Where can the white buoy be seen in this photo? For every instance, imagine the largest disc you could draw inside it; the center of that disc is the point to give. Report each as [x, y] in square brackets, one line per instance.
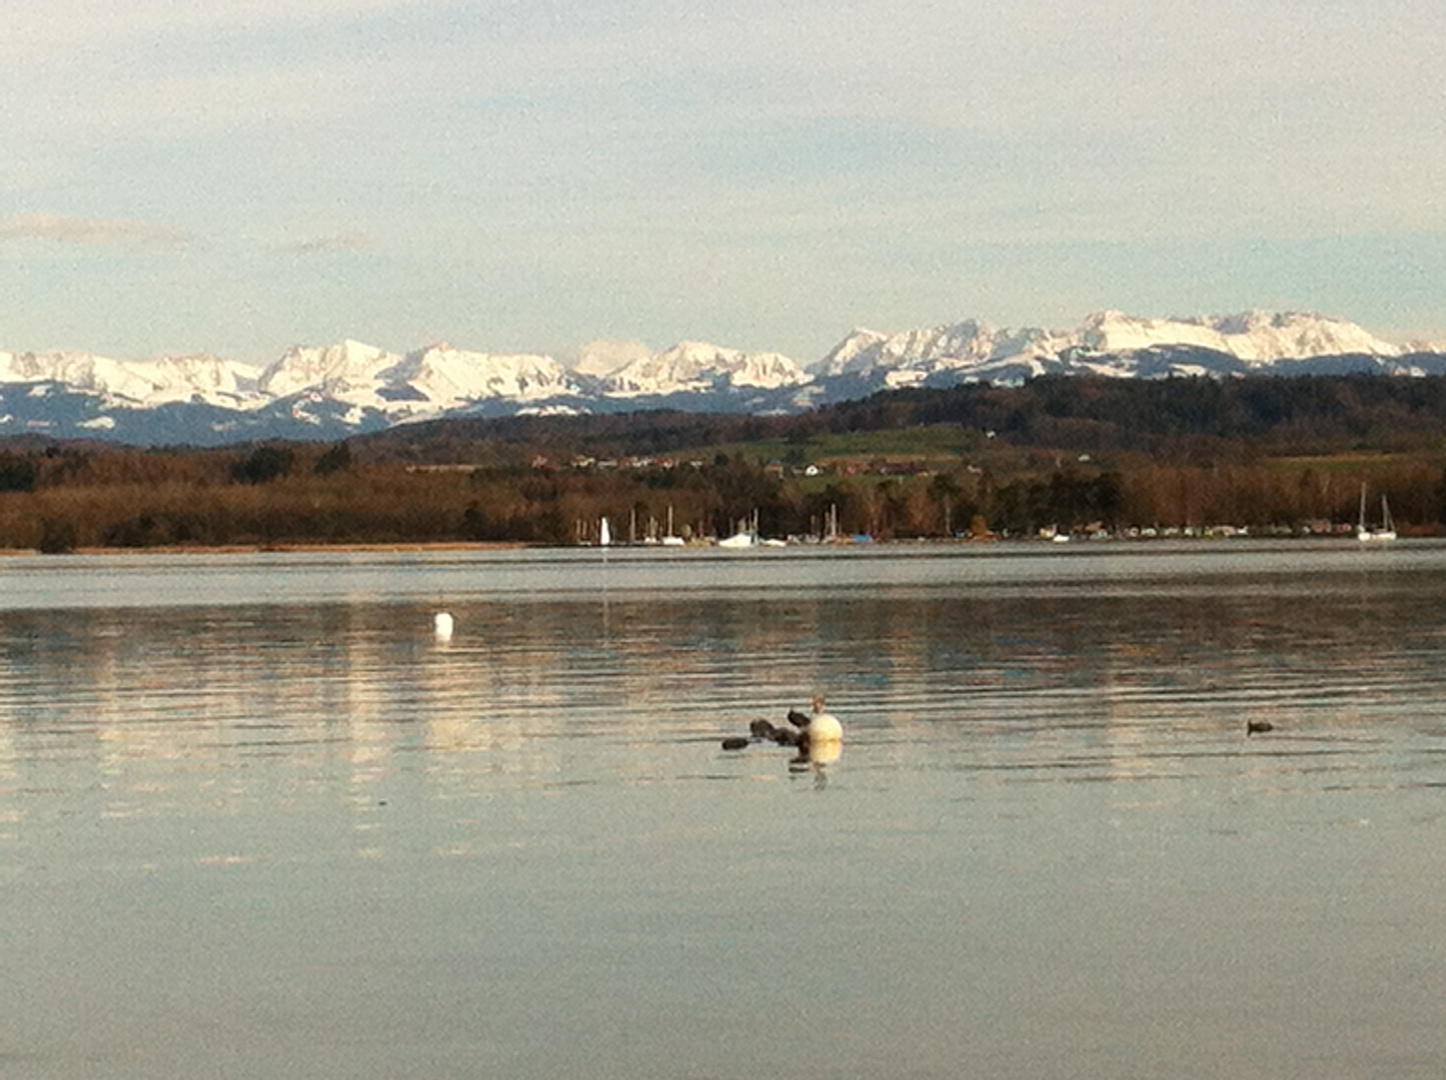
[442, 625]
[823, 727]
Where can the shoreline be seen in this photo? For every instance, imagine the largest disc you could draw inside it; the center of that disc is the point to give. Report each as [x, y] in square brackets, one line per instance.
[350, 547]
[282, 548]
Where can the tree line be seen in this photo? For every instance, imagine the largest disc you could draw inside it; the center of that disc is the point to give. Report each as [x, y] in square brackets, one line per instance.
[1069, 454]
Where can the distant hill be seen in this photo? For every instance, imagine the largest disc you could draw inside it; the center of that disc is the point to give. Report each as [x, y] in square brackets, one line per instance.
[1187, 418]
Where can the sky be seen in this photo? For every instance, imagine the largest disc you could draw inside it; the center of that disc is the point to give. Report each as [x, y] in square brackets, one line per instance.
[238, 176]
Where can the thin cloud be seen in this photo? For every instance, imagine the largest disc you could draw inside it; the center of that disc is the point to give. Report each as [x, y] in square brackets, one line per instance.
[343, 241]
[93, 232]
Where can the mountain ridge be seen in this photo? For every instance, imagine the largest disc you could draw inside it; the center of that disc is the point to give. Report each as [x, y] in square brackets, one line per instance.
[351, 387]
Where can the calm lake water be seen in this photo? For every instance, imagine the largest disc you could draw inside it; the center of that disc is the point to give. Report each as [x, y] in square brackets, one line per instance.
[257, 821]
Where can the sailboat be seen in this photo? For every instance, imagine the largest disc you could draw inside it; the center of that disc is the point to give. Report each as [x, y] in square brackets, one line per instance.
[1371, 534]
[746, 536]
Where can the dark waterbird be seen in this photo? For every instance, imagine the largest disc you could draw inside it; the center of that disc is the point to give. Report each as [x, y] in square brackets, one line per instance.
[761, 730]
[1258, 727]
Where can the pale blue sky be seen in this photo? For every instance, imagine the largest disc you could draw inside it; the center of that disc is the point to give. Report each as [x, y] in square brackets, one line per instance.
[236, 176]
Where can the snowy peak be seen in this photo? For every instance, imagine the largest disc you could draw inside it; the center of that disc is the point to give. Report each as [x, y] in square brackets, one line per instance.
[145, 382]
[1107, 342]
[913, 355]
[856, 353]
[332, 369]
[191, 378]
[698, 367]
[1253, 336]
[451, 377]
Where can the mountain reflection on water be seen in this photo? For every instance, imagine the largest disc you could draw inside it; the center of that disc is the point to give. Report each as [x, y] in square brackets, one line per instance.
[257, 819]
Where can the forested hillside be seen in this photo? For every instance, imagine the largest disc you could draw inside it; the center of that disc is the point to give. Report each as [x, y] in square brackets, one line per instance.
[1287, 454]
[1189, 418]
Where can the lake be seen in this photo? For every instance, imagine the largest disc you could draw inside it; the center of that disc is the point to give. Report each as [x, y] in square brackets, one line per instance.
[257, 820]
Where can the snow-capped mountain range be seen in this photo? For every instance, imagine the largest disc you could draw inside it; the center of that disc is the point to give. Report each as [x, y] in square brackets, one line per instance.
[347, 388]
